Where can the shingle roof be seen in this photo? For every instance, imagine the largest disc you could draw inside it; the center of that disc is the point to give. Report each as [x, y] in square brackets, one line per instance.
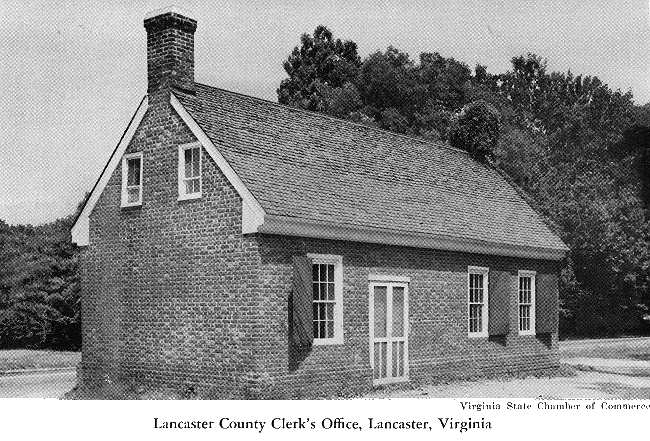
[312, 167]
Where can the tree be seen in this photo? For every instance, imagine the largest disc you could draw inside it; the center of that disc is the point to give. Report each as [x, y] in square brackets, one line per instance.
[476, 129]
[39, 286]
[319, 70]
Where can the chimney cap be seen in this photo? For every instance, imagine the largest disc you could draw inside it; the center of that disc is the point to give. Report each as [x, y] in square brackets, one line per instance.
[172, 9]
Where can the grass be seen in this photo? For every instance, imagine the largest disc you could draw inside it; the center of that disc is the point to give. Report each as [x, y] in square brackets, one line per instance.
[633, 349]
[18, 359]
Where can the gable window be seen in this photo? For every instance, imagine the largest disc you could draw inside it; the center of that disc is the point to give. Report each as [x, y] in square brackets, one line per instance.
[189, 171]
[526, 302]
[327, 290]
[477, 286]
[132, 180]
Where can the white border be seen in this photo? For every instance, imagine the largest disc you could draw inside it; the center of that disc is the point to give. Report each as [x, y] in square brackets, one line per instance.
[80, 229]
[182, 196]
[125, 172]
[486, 300]
[337, 261]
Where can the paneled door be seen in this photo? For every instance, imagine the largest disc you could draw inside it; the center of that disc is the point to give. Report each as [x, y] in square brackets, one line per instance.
[389, 332]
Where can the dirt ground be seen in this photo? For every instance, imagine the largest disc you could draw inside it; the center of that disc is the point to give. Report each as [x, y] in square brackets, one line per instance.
[602, 369]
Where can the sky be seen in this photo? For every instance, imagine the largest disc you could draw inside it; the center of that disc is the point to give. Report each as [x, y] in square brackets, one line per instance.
[73, 72]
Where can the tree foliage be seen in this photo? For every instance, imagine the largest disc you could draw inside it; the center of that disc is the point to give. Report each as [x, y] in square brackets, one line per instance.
[476, 129]
[39, 286]
[577, 147]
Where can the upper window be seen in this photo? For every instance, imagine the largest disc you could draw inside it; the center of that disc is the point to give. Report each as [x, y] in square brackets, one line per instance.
[189, 171]
[132, 180]
[327, 280]
[477, 284]
[526, 302]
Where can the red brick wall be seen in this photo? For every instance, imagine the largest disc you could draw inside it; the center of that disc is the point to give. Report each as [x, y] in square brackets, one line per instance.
[167, 287]
[438, 343]
[173, 293]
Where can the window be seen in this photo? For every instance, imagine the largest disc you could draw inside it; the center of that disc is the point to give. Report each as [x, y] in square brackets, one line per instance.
[526, 302]
[327, 287]
[477, 284]
[132, 180]
[189, 171]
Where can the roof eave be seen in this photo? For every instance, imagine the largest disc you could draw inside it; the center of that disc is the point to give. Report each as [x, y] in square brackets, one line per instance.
[290, 226]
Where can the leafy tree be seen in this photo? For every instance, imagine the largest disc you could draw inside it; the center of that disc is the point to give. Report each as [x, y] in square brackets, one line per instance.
[39, 286]
[317, 70]
[476, 129]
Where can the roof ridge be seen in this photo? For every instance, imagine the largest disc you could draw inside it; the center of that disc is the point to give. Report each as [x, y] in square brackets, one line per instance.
[345, 121]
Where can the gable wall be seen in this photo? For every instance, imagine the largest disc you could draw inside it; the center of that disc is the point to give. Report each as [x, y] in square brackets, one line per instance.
[167, 286]
[438, 343]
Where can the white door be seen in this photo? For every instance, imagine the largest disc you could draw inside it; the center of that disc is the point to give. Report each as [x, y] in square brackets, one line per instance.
[389, 332]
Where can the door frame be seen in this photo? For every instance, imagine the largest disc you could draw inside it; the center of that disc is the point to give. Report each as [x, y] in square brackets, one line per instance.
[389, 283]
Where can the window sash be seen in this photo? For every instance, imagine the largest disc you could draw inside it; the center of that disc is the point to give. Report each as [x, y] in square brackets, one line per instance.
[189, 171]
[526, 298]
[477, 305]
[327, 298]
[132, 180]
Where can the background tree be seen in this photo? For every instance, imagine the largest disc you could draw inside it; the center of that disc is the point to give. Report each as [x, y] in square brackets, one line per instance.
[476, 129]
[39, 286]
[579, 149]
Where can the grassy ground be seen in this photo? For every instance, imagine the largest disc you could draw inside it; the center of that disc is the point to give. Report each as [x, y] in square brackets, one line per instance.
[17, 359]
[632, 349]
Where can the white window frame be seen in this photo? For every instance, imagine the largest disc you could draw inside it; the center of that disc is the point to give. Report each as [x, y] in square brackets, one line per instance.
[182, 195]
[486, 295]
[531, 274]
[337, 261]
[125, 176]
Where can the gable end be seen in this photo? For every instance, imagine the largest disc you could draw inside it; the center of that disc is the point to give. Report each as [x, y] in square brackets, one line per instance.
[80, 229]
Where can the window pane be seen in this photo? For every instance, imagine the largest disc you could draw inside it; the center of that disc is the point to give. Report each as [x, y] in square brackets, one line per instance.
[380, 311]
[315, 289]
[188, 162]
[330, 273]
[330, 329]
[330, 311]
[398, 312]
[323, 270]
[133, 171]
[196, 158]
[330, 291]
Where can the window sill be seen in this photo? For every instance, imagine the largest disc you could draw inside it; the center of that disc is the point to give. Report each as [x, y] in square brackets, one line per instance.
[134, 205]
[477, 335]
[527, 333]
[327, 341]
[189, 197]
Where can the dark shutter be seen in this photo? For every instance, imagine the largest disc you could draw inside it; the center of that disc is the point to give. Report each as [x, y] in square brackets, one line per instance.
[546, 303]
[500, 292]
[302, 334]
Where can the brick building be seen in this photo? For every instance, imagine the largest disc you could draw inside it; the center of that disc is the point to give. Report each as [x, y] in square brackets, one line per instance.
[257, 250]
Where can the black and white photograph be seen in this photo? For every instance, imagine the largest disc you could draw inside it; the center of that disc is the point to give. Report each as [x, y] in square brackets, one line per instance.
[327, 200]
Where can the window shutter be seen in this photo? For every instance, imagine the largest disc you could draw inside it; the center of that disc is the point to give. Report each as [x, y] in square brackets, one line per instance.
[546, 303]
[500, 291]
[302, 334]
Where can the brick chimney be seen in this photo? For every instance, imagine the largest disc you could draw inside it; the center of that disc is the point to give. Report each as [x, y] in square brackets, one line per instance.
[170, 49]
